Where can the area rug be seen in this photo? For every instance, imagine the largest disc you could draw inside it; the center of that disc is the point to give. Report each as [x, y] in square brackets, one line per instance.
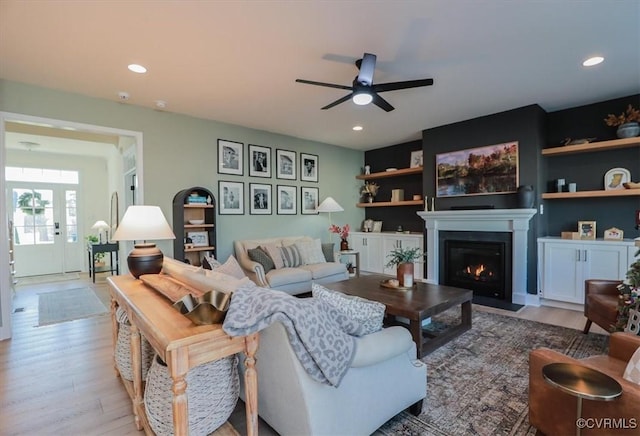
[477, 384]
[66, 305]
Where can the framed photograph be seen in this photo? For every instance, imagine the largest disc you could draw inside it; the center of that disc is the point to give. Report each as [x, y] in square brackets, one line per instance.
[614, 234]
[285, 164]
[231, 195]
[259, 161]
[286, 196]
[199, 239]
[308, 167]
[492, 169]
[260, 198]
[230, 157]
[309, 200]
[587, 229]
[377, 226]
[615, 177]
[416, 159]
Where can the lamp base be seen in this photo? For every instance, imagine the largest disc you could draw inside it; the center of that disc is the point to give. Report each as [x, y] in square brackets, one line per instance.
[145, 259]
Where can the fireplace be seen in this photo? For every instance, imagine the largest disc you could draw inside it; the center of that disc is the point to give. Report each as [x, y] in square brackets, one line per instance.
[480, 261]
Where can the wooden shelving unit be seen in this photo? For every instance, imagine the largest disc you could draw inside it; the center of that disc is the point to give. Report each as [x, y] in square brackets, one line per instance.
[592, 194]
[392, 203]
[183, 211]
[385, 174]
[592, 146]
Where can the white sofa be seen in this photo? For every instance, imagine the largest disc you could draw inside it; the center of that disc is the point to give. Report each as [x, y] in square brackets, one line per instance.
[291, 280]
[384, 379]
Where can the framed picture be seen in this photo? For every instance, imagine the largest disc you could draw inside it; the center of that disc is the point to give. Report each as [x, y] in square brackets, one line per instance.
[231, 195]
[286, 196]
[230, 157]
[587, 229]
[377, 226]
[259, 161]
[308, 167]
[260, 198]
[416, 159]
[309, 200]
[198, 239]
[492, 169]
[614, 234]
[615, 177]
[285, 164]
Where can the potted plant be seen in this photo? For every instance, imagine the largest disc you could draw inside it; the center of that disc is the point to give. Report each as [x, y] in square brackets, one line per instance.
[627, 122]
[629, 298]
[403, 259]
[99, 257]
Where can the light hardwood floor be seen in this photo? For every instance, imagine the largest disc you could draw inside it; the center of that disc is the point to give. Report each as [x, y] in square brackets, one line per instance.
[59, 379]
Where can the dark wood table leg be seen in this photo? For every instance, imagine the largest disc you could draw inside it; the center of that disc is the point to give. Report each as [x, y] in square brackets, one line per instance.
[415, 327]
[465, 314]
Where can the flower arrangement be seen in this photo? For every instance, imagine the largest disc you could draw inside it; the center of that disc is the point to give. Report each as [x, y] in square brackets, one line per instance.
[629, 116]
[629, 295]
[343, 232]
[370, 189]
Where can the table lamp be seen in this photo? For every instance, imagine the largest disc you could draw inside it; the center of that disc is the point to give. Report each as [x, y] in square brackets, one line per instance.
[100, 226]
[144, 223]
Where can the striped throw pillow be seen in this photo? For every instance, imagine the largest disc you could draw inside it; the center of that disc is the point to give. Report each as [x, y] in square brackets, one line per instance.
[291, 256]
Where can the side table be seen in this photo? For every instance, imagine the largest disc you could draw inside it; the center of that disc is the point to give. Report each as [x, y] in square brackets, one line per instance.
[582, 382]
[114, 261]
[357, 258]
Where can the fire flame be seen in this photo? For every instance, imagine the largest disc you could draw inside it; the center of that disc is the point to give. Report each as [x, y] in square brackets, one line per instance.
[477, 270]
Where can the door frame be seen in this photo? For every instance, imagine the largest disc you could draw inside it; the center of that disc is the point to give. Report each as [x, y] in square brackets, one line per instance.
[6, 290]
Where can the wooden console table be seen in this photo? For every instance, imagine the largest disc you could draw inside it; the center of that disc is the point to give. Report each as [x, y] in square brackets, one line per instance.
[181, 344]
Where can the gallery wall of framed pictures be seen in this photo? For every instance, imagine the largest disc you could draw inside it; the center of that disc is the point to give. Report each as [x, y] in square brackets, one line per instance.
[262, 163]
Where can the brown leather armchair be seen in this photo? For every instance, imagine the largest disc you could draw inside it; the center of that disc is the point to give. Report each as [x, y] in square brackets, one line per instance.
[601, 303]
[553, 412]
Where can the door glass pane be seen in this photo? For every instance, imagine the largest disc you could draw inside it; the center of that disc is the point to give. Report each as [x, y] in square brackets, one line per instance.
[32, 215]
[71, 216]
[43, 214]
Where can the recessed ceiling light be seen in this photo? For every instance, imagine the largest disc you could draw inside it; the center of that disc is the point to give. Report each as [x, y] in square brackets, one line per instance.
[137, 68]
[357, 128]
[593, 61]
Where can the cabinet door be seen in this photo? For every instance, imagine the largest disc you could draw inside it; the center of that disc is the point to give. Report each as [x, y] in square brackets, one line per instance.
[604, 262]
[391, 242]
[370, 249]
[562, 272]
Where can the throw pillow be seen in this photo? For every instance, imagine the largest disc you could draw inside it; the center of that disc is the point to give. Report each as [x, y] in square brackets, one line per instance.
[290, 256]
[368, 313]
[328, 250]
[259, 255]
[632, 372]
[232, 268]
[311, 251]
[274, 253]
[209, 262]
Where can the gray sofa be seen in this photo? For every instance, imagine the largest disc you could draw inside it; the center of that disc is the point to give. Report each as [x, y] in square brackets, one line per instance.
[291, 280]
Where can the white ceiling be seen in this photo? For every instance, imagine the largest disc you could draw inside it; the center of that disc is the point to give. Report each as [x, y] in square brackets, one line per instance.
[237, 61]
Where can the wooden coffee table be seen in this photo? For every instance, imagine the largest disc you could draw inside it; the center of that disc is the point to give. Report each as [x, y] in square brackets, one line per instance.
[423, 301]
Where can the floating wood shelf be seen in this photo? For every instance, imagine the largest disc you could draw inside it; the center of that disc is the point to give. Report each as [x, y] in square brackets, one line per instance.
[198, 206]
[592, 194]
[197, 226]
[385, 174]
[392, 203]
[194, 249]
[592, 146]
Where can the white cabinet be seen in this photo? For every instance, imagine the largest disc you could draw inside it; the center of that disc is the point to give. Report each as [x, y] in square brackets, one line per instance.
[370, 247]
[564, 265]
[392, 241]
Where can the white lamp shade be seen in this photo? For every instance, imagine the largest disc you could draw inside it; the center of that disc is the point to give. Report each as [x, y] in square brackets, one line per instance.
[329, 205]
[143, 223]
[100, 225]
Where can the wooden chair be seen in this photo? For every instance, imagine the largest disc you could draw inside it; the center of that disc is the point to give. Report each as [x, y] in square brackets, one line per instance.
[601, 303]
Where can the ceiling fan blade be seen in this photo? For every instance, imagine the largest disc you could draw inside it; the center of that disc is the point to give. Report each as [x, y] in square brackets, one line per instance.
[328, 85]
[337, 102]
[367, 67]
[382, 103]
[393, 86]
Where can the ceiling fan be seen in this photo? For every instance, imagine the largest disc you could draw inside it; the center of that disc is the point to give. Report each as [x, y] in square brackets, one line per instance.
[363, 91]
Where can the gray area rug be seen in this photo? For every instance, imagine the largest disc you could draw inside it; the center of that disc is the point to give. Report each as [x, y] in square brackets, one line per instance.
[477, 384]
[67, 305]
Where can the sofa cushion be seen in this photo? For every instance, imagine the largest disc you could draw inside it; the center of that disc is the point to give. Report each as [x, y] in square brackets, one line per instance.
[291, 256]
[328, 249]
[274, 253]
[259, 255]
[632, 371]
[368, 313]
[231, 267]
[311, 251]
[321, 270]
[287, 276]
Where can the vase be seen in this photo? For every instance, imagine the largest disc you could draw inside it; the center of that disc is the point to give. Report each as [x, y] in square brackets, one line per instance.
[369, 198]
[526, 196]
[344, 245]
[628, 130]
[404, 268]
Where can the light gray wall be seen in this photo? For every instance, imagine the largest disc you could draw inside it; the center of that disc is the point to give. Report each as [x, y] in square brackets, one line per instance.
[181, 152]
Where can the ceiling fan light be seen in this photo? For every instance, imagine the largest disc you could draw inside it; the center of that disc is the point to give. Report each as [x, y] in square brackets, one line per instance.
[593, 61]
[362, 98]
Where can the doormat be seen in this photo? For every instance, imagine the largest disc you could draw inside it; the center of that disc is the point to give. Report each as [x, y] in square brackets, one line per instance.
[48, 278]
[67, 305]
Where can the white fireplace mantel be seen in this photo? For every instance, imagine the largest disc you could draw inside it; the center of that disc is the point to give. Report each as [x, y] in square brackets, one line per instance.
[515, 221]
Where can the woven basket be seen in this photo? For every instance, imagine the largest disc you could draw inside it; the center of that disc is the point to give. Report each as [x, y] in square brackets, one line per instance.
[633, 325]
[123, 348]
[212, 393]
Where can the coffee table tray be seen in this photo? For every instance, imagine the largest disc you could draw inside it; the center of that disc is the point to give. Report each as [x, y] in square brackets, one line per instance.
[387, 284]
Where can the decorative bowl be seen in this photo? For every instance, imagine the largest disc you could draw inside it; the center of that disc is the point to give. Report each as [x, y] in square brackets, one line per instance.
[631, 185]
[196, 222]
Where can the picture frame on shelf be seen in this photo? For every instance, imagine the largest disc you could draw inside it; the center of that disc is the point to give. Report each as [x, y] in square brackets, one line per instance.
[614, 234]
[377, 227]
[286, 164]
[260, 199]
[199, 239]
[416, 159]
[309, 200]
[287, 201]
[259, 161]
[230, 157]
[615, 177]
[587, 229]
[308, 167]
[231, 195]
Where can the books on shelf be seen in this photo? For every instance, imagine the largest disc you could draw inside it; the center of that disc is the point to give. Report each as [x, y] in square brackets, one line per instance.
[192, 199]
